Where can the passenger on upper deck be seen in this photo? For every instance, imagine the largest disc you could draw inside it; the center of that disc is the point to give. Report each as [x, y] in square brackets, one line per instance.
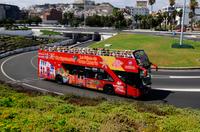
[90, 51]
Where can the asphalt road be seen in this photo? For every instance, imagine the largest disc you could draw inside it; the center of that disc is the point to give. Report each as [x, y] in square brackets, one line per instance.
[179, 88]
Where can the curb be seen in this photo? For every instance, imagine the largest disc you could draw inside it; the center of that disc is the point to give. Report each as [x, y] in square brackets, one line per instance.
[179, 68]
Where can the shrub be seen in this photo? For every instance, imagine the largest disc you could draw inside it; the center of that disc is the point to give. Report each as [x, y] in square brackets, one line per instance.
[6, 102]
[66, 109]
[26, 103]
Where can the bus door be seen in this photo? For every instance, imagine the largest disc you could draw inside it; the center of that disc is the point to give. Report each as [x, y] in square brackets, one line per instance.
[80, 78]
[76, 77]
[132, 81]
[92, 80]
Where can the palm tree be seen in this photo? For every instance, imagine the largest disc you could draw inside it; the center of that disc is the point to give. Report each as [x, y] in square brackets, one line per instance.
[172, 2]
[172, 18]
[193, 5]
[180, 14]
[166, 16]
[151, 2]
[136, 17]
[150, 21]
[160, 19]
[140, 19]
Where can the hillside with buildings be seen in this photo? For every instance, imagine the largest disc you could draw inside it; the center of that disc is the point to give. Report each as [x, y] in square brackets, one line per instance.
[76, 13]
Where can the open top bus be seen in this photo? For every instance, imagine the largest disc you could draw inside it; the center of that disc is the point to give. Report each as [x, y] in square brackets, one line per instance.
[123, 72]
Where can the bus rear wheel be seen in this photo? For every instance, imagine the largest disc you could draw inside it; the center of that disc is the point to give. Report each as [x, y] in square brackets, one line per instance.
[108, 89]
[59, 79]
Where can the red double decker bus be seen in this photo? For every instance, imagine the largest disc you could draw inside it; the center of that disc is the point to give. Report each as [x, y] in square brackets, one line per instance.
[123, 72]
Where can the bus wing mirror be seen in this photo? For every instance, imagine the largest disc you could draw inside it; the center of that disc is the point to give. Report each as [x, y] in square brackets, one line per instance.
[155, 66]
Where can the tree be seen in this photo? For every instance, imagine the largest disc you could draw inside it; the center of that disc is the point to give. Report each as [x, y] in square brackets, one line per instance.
[136, 17]
[172, 2]
[67, 18]
[180, 15]
[193, 6]
[140, 19]
[150, 21]
[36, 20]
[191, 16]
[173, 14]
[151, 2]
[7, 23]
[120, 21]
[70, 19]
[143, 24]
[129, 22]
[159, 19]
[172, 19]
[29, 21]
[165, 17]
[22, 22]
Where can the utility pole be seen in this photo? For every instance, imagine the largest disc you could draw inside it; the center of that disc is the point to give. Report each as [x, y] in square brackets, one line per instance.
[182, 23]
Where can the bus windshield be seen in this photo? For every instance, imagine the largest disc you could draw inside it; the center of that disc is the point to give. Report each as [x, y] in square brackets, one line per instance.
[142, 58]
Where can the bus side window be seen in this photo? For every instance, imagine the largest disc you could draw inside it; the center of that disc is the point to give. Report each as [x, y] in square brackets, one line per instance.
[99, 76]
[103, 75]
[81, 73]
[73, 72]
[108, 77]
[90, 74]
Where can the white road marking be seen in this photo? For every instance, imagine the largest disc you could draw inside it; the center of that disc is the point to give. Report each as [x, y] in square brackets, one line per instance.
[3, 63]
[33, 63]
[184, 77]
[175, 77]
[160, 76]
[25, 84]
[178, 90]
[41, 89]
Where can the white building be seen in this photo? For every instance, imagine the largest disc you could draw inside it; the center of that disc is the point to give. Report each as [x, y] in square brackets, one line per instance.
[142, 3]
[187, 11]
[137, 11]
[88, 2]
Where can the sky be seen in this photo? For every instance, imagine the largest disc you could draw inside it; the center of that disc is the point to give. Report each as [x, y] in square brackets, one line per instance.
[118, 3]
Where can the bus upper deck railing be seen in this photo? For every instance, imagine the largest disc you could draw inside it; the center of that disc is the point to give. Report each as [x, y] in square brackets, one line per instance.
[91, 51]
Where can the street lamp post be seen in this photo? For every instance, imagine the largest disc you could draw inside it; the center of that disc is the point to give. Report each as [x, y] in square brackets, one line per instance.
[84, 12]
[182, 23]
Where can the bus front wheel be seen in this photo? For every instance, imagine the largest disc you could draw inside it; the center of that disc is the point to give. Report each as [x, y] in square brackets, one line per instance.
[59, 79]
[108, 89]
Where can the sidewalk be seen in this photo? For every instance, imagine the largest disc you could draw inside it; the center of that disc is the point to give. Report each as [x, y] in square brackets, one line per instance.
[161, 32]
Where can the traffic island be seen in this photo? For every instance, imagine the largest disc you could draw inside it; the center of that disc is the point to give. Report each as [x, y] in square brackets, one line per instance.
[183, 46]
[158, 48]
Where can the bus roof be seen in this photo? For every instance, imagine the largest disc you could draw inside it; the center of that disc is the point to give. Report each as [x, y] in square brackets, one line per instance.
[92, 51]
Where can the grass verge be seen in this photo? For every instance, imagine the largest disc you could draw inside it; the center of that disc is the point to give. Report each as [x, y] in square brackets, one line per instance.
[158, 49]
[8, 43]
[32, 111]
